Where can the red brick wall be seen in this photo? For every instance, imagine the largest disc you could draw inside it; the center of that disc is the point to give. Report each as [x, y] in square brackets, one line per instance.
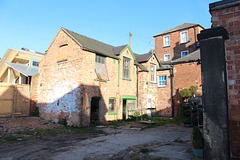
[229, 18]
[185, 75]
[175, 44]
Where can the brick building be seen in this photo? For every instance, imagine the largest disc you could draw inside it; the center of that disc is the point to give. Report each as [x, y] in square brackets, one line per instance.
[178, 51]
[83, 80]
[177, 41]
[227, 14]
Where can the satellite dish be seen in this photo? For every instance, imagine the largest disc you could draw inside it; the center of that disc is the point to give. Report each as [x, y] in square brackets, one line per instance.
[189, 40]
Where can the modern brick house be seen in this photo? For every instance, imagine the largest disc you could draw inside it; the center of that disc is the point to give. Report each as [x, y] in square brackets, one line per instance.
[178, 50]
[177, 41]
[83, 80]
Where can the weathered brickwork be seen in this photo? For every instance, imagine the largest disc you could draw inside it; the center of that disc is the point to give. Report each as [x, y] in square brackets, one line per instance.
[146, 87]
[185, 75]
[229, 18]
[176, 46]
[66, 88]
[164, 106]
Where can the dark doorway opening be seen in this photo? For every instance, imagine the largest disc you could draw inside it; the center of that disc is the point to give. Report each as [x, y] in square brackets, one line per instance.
[95, 109]
[124, 109]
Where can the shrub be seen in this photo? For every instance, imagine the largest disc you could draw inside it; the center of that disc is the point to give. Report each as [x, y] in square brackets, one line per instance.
[193, 89]
[185, 93]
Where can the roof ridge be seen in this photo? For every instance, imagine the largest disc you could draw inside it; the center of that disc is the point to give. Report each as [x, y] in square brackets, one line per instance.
[180, 26]
[86, 37]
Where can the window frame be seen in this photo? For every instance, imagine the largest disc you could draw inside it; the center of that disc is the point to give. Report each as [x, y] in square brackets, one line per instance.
[169, 57]
[164, 81]
[186, 37]
[154, 73]
[114, 101]
[166, 43]
[126, 69]
[184, 52]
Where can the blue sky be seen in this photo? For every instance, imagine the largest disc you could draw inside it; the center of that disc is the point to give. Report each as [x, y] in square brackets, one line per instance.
[33, 24]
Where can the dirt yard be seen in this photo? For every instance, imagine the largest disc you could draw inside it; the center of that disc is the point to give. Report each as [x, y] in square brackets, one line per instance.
[126, 141]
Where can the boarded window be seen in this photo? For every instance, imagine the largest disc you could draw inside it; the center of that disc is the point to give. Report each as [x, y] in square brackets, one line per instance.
[62, 55]
[126, 68]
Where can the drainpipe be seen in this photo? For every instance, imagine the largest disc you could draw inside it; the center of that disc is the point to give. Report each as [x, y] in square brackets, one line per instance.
[171, 77]
[137, 91]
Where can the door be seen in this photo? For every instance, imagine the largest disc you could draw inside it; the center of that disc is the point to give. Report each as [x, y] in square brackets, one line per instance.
[95, 106]
[124, 109]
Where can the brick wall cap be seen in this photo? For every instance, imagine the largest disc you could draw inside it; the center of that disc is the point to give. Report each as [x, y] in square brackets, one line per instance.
[213, 32]
[223, 4]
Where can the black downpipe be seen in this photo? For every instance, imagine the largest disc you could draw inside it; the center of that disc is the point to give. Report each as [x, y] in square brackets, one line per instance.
[171, 76]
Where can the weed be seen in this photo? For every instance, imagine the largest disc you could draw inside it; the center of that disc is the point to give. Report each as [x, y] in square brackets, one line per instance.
[144, 150]
[10, 138]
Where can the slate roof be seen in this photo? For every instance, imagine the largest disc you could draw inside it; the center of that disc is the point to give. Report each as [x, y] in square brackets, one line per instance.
[177, 28]
[192, 57]
[24, 69]
[143, 57]
[94, 45]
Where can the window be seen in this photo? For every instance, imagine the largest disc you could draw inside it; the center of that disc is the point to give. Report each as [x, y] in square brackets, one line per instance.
[152, 73]
[34, 63]
[184, 36]
[62, 55]
[162, 81]
[111, 105]
[167, 57]
[126, 68]
[184, 53]
[166, 41]
[131, 105]
[100, 59]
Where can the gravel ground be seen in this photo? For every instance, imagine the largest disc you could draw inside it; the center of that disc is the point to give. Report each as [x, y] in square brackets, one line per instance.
[11, 125]
[129, 141]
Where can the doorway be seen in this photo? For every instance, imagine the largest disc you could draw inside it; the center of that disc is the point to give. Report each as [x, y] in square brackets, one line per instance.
[95, 110]
[124, 115]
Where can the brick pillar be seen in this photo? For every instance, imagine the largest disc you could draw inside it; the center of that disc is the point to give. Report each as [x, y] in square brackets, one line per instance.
[214, 88]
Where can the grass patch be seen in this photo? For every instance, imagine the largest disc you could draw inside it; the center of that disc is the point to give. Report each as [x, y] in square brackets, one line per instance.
[10, 138]
[82, 130]
[144, 150]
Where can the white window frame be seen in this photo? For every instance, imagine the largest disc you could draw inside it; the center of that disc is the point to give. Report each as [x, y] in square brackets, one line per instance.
[154, 73]
[164, 81]
[167, 57]
[165, 42]
[183, 53]
[184, 39]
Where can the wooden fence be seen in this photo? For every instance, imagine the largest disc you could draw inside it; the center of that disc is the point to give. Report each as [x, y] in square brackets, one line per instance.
[14, 100]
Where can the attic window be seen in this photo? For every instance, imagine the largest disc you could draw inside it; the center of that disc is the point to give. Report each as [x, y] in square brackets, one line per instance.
[62, 54]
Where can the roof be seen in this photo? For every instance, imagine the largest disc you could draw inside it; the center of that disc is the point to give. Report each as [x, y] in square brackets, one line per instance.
[95, 46]
[143, 57]
[142, 67]
[223, 4]
[192, 57]
[12, 54]
[177, 28]
[24, 69]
